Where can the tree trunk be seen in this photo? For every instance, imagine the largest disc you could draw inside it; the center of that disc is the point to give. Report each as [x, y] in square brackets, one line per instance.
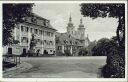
[118, 31]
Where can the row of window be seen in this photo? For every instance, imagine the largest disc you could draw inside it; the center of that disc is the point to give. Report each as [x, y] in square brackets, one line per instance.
[25, 40]
[68, 42]
[66, 47]
[36, 31]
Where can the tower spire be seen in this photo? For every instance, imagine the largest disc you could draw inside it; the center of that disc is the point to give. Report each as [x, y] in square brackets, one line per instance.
[81, 21]
[70, 18]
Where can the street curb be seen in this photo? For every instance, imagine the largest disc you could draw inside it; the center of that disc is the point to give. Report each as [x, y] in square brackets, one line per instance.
[16, 70]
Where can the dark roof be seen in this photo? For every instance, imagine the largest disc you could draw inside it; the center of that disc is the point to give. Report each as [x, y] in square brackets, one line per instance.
[67, 39]
[37, 16]
[49, 26]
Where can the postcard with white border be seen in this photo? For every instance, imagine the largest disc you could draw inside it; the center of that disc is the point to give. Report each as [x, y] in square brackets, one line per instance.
[58, 41]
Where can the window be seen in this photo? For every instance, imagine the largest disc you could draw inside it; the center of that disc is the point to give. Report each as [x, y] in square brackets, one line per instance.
[66, 41]
[70, 42]
[76, 43]
[45, 42]
[27, 29]
[36, 31]
[34, 20]
[22, 28]
[51, 43]
[48, 33]
[65, 48]
[41, 42]
[51, 34]
[31, 30]
[40, 32]
[38, 41]
[43, 32]
[24, 39]
[59, 47]
[44, 23]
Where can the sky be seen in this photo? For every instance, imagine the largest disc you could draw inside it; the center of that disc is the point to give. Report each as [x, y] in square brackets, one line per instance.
[59, 13]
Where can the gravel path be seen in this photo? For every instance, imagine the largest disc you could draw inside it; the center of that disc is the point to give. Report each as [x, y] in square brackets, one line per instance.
[63, 67]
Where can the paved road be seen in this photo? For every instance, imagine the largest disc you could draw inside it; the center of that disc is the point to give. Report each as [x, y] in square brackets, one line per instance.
[62, 67]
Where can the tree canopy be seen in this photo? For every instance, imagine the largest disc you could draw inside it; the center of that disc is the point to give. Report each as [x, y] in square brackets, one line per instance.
[103, 10]
[105, 46]
[12, 14]
[116, 10]
[115, 47]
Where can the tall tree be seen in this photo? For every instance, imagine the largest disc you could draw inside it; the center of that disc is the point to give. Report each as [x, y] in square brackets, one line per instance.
[116, 10]
[117, 55]
[101, 48]
[12, 14]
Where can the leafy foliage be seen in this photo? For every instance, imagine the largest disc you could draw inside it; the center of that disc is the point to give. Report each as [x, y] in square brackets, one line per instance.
[16, 41]
[107, 10]
[102, 10]
[67, 53]
[104, 46]
[114, 49]
[90, 47]
[115, 62]
[115, 66]
[83, 52]
[101, 47]
[12, 14]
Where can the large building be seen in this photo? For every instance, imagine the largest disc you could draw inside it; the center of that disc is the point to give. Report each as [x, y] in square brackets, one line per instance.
[72, 40]
[79, 33]
[43, 32]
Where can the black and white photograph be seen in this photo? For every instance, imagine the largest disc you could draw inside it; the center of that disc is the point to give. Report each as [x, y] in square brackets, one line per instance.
[64, 40]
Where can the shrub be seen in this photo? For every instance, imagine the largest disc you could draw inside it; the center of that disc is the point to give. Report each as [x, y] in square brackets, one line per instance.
[59, 53]
[67, 53]
[83, 52]
[115, 66]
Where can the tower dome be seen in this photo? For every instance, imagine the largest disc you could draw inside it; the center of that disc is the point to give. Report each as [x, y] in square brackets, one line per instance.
[81, 23]
[70, 21]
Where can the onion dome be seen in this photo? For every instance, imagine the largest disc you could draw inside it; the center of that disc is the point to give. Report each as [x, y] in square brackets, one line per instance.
[81, 23]
[70, 21]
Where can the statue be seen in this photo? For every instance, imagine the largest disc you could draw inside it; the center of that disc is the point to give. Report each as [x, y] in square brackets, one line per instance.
[32, 46]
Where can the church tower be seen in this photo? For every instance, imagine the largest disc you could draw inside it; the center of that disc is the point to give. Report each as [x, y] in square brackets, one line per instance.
[81, 30]
[70, 27]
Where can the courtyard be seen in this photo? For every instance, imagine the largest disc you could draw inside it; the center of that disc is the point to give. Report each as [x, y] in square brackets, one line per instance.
[62, 67]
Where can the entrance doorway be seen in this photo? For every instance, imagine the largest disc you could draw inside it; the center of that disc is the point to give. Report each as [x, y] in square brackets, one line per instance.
[9, 50]
[45, 52]
[24, 51]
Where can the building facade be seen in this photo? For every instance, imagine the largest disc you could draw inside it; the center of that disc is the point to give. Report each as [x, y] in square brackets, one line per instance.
[79, 33]
[72, 40]
[66, 43]
[42, 30]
